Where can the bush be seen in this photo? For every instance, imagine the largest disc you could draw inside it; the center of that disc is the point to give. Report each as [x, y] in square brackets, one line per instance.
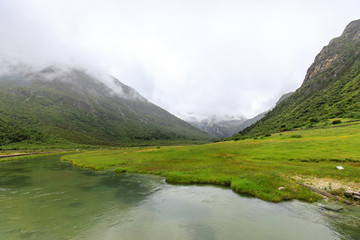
[313, 120]
[336, 121]
[267, 135]
[296, 136]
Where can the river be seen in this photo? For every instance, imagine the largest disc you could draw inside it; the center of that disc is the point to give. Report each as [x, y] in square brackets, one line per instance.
[44, 198]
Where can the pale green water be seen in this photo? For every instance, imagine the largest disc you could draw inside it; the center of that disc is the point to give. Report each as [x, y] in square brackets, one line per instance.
[43, 198]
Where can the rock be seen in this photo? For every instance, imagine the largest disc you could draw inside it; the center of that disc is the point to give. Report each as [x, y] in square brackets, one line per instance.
[339, 168]
[351, 194]
[331, 207]
[281, 188]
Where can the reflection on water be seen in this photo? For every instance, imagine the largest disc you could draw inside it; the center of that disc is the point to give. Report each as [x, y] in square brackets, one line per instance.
[43, 198]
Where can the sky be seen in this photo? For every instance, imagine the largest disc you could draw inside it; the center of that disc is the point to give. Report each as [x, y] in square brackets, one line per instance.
[190, 57]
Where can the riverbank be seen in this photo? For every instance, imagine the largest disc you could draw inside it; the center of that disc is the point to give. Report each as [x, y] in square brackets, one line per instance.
[43, 198]
[17, 156]
[267, 168]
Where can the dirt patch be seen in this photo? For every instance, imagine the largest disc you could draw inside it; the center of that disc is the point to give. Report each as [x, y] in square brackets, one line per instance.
[327, 183]
[147, 150]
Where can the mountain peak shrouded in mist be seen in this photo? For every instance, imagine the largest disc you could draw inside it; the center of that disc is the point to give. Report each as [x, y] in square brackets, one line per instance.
[74, 104]
[193, 56]
[223, 126]
[210, 117]
[219, 126]
[89, 80]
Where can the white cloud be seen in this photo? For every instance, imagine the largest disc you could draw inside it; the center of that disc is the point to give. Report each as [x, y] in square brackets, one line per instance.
[205, 57]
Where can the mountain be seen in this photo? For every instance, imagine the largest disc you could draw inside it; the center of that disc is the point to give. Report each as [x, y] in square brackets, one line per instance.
[73, 105]
[283, 97]
[331, 88]
[226, 126]
[255, 119]
[251, 121]
[216, 126]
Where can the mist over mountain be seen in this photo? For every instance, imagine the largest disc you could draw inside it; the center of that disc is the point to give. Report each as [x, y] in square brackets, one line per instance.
[223, 126]
[216, 126]
[255, 119]
[83, 107]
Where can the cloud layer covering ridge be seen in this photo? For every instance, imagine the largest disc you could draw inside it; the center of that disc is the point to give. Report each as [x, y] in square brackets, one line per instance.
[202, 57]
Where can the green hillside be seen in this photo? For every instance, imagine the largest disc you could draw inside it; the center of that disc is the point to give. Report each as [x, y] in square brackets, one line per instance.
[331, 89]
[73, 106]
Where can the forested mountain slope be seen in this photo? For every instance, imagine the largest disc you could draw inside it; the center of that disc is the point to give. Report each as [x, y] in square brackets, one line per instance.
[71, 104]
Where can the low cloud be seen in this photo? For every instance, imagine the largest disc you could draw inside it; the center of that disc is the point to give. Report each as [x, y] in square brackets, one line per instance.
[199, 57]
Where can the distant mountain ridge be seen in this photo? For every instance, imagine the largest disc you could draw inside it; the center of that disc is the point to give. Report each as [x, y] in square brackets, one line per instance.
[71, 104]
[330, 89]
[227, 126]
[283, 98]
[217, 126]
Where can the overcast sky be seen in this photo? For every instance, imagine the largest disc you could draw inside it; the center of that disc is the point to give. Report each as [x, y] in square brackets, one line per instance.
[191, 57]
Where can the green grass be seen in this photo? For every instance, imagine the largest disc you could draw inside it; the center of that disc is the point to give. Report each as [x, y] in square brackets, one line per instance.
[253, 167]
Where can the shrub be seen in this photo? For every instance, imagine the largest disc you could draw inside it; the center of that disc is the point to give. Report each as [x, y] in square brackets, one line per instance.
[313, 120]
[336, 121]
[296, 136]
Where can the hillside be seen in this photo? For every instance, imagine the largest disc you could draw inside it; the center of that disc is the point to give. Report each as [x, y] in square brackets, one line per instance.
[331, 88]
[251, 121]
[72, 105]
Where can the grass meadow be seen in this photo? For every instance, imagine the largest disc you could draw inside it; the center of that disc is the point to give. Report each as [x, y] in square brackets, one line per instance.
[255, 167]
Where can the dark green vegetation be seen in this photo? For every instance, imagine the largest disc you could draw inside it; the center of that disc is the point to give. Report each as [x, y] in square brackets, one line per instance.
[254, 167]
[59, 107]
[331, 89]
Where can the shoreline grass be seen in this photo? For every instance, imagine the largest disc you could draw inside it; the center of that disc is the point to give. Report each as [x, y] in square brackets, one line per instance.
[255, 167]
[35, 155]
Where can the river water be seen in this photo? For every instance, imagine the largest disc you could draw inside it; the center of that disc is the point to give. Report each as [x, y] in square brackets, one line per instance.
[44, 198]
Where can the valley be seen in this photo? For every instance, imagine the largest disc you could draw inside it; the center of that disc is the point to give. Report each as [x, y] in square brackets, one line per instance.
[85, 156]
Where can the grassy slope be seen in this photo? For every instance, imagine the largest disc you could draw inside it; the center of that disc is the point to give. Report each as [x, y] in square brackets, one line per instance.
[331, 89]
[254, 167]
[49, 112]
